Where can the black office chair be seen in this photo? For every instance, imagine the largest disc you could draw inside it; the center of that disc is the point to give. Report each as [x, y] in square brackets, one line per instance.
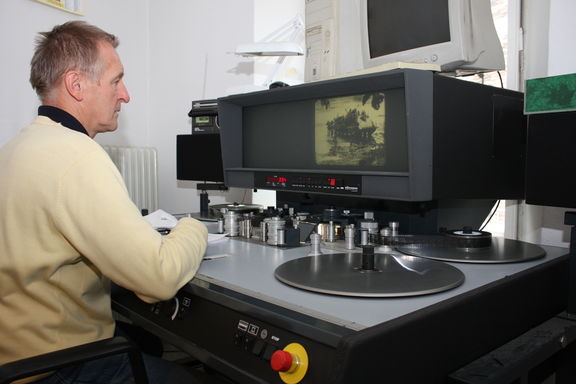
[75, 355]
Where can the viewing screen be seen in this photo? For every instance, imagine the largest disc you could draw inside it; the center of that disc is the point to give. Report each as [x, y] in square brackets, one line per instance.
[401, 25]
[364, 132]
[349, 131]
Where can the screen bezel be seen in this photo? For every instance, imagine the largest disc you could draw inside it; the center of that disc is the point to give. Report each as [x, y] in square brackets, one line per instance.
[416, 184]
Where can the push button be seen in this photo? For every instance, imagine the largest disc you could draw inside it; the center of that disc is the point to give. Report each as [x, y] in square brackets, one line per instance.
[291, 363]
[258, 347]
[281, 361]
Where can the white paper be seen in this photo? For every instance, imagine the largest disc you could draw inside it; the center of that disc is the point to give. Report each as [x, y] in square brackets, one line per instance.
[161, 219]
[214, 237]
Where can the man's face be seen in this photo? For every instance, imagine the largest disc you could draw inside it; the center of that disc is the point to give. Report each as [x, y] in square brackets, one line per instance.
[105, 95]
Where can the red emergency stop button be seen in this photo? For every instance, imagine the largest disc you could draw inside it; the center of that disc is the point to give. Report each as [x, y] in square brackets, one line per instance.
[281, 361]
[291, 363]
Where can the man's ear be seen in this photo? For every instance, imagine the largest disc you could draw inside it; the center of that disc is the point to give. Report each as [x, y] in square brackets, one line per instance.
[74, 83]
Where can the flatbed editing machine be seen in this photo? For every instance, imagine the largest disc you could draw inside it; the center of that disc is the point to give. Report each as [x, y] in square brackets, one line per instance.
[380, 176]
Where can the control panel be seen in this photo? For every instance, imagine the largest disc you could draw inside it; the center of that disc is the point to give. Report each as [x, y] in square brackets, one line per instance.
[324, 183]
[253, 346]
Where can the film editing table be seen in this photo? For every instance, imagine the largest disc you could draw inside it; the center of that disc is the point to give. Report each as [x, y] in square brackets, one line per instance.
[236, 314]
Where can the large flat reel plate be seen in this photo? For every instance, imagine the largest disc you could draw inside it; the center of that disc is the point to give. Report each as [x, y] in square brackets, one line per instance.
[501, 251]
[236, 207]
[393, 275]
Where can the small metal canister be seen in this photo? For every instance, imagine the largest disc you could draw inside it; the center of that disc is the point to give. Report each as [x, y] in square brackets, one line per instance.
[263, 229]
[281, 236]
[349, 236]
[220, 225]
[331, 233]
[273, 225]
[363, 236]
[231, 224]
[247, 226]
[394, 227]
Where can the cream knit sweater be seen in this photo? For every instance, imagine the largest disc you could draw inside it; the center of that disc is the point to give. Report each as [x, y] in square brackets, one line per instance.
[68, 227]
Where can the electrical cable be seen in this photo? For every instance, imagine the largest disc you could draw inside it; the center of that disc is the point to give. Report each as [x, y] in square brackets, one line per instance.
[491, 215]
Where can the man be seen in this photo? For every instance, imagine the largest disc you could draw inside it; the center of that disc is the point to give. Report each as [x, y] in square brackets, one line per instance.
[67, 224]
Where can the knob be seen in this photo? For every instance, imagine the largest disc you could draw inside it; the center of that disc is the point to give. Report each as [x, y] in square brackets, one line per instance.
[281, 361]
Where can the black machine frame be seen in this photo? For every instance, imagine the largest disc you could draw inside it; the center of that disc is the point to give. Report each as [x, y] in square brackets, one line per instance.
[425, 346]
[465, 140]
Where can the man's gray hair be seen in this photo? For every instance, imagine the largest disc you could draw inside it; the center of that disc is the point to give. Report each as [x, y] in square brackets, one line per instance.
[72, 45]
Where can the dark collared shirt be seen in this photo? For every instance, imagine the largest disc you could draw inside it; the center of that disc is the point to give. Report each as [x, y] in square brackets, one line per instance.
[62, 117]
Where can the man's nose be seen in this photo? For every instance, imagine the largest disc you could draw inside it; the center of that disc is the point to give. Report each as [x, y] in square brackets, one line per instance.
[124, 95]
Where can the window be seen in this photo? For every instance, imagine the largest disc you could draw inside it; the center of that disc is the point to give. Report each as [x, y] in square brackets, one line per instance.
[506, 14]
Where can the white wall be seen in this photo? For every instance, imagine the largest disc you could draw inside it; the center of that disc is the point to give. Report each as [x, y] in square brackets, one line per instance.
[199, 64]
[190, 45]
[270, 16]
[20, 20]
[128, 20]
[173, 52]
[561, 52]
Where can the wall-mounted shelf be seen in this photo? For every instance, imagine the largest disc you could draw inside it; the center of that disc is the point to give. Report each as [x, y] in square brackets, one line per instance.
[70, 6]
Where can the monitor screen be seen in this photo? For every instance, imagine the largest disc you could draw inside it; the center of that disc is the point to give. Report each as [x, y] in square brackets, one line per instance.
[365, 131]
[413, 23]
[199, 158]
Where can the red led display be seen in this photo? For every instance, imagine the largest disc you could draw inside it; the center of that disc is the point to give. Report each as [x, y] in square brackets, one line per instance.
[276, 179]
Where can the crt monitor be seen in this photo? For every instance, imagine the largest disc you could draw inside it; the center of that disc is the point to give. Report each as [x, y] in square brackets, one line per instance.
[458, 35]
[199, 158]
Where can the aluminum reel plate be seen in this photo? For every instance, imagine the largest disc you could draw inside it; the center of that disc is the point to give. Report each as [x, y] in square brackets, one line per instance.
[394, 275]
[501, 251]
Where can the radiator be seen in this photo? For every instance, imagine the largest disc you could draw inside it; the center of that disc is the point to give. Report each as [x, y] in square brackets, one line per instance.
[139, 168]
